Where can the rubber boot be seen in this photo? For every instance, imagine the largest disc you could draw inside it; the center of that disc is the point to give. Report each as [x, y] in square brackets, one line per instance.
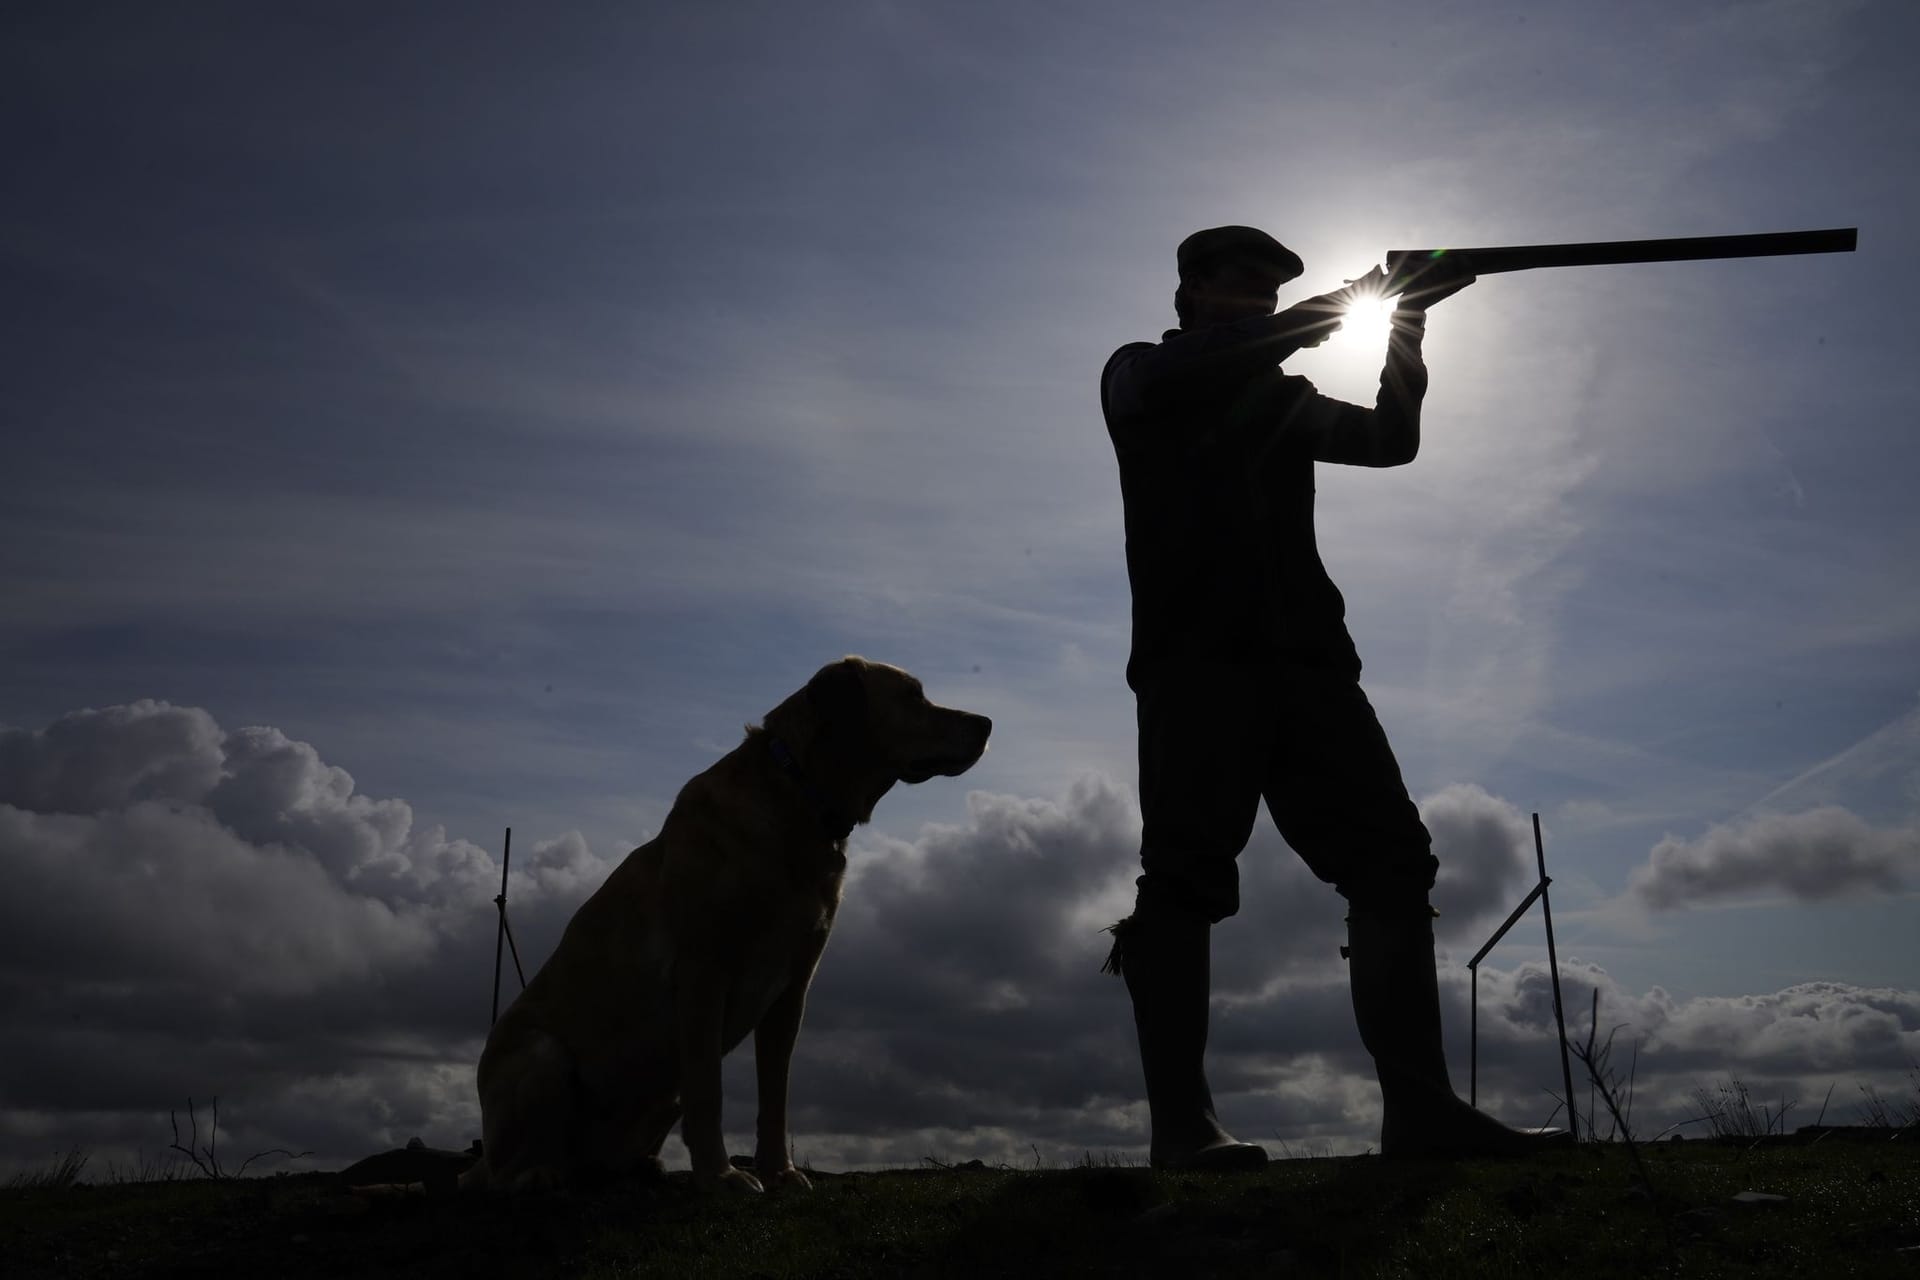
[1163, 956]
[1396, 1001]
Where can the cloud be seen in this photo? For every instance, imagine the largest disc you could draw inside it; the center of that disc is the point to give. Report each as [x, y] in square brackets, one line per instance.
[89, 761]
[1485, 849]
[172, 895]
[193, 911]
[958, 1011]
[1790, 1043]
[1812, 855]
[197, 911]
[1882, 770]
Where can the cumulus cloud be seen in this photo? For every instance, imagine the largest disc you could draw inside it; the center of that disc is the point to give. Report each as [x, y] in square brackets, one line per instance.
[1816, 854]
[197, 911]
[962, 982]
[192, 911]
[1790, 1043]
[959, 1011]
[89, 761]
[1485, 849]
[170, 894]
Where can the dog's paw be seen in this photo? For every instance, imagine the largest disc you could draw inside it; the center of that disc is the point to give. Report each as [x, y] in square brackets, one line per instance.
[730, 1180]
[785, 1179]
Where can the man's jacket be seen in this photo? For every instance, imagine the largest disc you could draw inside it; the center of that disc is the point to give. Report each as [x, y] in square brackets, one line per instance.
[1216, 447]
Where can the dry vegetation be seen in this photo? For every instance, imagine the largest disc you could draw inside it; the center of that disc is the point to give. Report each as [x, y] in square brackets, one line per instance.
[1850, 1206]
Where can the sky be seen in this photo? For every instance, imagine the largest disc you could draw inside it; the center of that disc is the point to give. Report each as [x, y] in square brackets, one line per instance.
[423, 421]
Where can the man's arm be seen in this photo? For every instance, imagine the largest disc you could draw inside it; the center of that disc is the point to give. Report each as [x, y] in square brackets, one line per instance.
[1150, 379]
[1388, 435]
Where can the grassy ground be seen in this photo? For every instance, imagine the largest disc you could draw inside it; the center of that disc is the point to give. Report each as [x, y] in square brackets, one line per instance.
[1852, 1208]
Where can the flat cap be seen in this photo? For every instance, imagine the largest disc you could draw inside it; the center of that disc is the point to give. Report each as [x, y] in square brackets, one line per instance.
[1247, 244]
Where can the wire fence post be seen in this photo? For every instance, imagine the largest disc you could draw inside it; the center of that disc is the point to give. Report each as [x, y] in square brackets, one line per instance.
[1553, 964]
[1473, 1041]
[1538, 891]
[505, 932]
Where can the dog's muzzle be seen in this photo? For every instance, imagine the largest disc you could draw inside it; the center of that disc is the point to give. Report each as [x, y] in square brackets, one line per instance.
[971, 743]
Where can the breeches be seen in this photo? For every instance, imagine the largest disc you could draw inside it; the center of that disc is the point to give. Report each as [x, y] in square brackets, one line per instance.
[1216, 738]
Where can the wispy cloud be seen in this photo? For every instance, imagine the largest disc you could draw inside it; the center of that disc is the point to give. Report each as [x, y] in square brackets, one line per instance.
[1882, 769]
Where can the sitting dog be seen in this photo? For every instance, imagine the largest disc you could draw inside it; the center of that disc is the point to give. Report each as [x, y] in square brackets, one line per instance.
[708, 931]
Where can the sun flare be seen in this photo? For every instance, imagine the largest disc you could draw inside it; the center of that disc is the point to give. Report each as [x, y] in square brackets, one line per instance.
[1366, 324]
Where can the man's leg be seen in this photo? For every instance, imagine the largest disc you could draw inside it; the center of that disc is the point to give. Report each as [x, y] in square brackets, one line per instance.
[1339, 800]
[1201, 743]
[1396, 1001]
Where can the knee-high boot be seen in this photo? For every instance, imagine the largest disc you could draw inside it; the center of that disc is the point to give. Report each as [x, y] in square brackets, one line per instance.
[1396, 1001]
[1163, 956]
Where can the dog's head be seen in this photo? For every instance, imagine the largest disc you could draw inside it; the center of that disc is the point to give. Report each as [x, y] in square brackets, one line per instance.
[880, 710]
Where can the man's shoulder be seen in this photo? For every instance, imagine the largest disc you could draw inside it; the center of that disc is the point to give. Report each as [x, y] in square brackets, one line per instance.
[1138, 348]
[1121, 402]
[1127, 350]
[1119, 360]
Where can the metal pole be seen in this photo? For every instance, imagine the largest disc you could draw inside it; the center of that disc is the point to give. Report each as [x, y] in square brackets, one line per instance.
[1473, 967]
[1553, 963]
[1473, 1058]
[513, 949]
[1511, 920]
[500, 934]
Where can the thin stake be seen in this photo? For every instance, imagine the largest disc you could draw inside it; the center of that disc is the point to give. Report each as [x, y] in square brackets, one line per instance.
[1511, 920]
[1473, 966]
[513, 949]
[1553, 963]
[500, 934]
[1473, 1042]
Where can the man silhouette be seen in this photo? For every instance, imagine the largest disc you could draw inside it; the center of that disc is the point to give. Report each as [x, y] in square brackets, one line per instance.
[1247, 683]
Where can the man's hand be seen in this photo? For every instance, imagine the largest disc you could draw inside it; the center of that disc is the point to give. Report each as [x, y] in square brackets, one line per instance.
[1434, 279]
[1318, 319]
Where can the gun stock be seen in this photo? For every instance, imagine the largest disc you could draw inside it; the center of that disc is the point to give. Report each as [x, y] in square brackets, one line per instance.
[1526, 257]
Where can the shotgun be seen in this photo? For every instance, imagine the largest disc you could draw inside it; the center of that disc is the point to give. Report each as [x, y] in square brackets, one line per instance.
[1403, 264]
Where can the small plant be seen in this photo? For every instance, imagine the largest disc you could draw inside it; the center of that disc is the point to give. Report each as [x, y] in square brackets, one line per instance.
[147, 1168]
[1604, 1081]
[62, 1173]
[1105, 1160]
[206, 1158]
[1877, 1112]
[1617, 1097]
[1730, 1111]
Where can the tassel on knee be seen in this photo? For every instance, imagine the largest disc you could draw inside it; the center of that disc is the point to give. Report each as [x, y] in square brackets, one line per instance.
[1116, 960]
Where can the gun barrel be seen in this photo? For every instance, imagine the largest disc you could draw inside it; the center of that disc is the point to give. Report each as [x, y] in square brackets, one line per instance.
[1526, 257]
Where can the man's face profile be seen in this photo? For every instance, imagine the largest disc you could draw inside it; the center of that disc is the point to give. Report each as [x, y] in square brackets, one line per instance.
[1231, 290]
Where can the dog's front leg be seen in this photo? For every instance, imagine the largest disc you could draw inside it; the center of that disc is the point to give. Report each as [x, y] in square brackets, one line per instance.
[773, 1043]
[699, 1008]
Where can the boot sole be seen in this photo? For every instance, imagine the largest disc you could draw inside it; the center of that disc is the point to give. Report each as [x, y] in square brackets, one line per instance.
[1238, 1157]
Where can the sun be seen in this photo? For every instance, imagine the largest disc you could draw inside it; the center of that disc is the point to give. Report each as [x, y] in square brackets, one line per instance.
[1347, 365]
[1366, 324]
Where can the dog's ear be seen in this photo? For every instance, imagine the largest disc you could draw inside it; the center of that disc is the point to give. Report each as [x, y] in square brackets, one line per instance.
[837, 693]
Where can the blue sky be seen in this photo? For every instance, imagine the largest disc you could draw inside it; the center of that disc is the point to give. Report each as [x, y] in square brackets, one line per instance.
[510, 407]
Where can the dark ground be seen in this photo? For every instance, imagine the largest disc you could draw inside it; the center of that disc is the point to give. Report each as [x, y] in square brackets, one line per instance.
[1851, 1207]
